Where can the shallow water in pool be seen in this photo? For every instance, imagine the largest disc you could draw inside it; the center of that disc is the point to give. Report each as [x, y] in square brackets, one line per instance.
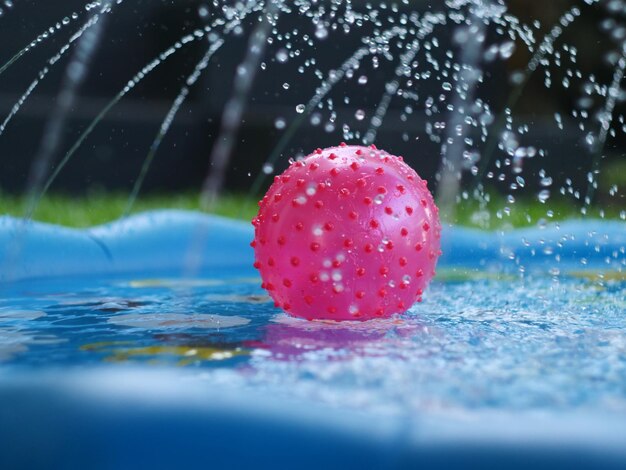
[477, 341]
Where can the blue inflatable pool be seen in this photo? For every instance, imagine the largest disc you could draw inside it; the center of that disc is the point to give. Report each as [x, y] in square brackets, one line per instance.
[148, 342]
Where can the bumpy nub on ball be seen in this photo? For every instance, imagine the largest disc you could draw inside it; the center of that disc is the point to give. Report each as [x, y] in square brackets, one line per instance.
[348, 233]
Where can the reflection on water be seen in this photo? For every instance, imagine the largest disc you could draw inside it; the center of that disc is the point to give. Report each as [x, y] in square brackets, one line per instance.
[478, 340]
[159, 354]
[16, 337]
[290, 339]
[177, 321]
[183, 283]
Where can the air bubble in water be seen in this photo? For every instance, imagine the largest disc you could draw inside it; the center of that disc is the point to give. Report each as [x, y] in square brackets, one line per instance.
[300, 108]
[268, 168]
[359, 115]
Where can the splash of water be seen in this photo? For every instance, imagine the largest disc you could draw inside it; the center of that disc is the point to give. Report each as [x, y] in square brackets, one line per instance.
[49, 33]
[471, 135]
[233, 112]
[76, 73]
[334, 77]
[470, 39]
[215, 44]
[91, 22]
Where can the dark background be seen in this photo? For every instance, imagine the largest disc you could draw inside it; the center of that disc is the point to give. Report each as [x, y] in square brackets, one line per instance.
[139, 30]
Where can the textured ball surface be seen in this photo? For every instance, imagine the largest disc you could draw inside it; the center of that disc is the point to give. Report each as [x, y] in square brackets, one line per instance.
[348, 233]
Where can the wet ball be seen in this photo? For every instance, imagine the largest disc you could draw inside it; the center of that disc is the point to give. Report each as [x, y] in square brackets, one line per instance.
[347, 233]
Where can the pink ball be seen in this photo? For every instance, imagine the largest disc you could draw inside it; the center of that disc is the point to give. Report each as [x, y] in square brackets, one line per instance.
[348, 233]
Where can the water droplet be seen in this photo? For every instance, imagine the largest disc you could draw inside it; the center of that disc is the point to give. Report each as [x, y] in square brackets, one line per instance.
[321, 32]
[543, 196]
[517, 78]
[203, 11]
[546, 181]
[282, 55]
[506, 49]
[316, 119]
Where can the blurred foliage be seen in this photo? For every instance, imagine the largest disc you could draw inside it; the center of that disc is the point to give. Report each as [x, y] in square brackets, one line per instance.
[98, 208]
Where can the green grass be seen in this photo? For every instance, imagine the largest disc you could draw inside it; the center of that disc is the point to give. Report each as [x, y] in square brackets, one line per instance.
[99, 208]
[497, 213]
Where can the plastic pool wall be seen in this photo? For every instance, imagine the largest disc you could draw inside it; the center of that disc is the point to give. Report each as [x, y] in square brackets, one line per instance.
[113, 354]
